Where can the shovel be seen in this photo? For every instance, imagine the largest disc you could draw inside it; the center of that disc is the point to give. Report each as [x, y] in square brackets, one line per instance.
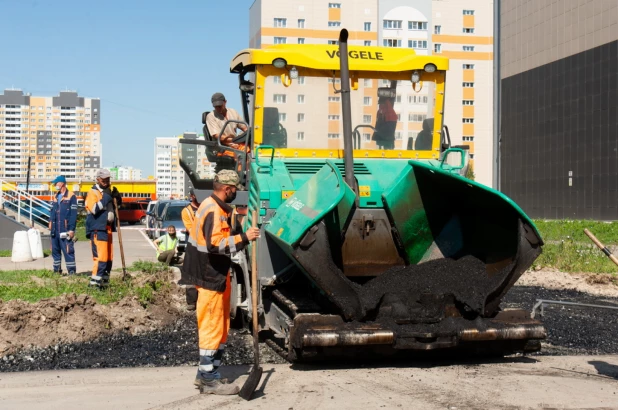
[253, 380]
[124, 267]
[602, 247]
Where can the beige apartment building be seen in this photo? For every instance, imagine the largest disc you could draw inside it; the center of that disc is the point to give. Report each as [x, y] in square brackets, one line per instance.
[61, 135]
[460, 30]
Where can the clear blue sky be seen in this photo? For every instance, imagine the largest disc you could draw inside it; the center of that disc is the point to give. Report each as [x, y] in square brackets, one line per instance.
[154, 64]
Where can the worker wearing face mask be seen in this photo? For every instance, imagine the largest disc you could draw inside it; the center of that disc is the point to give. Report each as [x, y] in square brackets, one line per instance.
[62, 221]
[208, 268]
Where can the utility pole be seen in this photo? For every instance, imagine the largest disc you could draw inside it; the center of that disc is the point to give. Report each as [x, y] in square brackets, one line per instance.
[28, 174]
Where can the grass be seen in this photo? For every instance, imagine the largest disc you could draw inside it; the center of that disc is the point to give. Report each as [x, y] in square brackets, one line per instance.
[6, 253]
[568, 249]
[34, 285]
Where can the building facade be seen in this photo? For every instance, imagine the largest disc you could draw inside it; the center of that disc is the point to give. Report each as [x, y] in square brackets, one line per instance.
[125, 173]
[61, 135]
[462, 31]
[559, 105]
[168, 173]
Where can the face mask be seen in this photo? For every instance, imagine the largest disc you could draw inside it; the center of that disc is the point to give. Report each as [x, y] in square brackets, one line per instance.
[58, 187]
[231, 197]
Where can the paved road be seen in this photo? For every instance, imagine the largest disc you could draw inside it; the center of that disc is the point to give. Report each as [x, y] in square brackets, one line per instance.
[542, 382]
[136, 247]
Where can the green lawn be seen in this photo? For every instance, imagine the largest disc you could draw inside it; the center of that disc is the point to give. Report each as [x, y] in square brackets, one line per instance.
[34, 285]
[568, 249]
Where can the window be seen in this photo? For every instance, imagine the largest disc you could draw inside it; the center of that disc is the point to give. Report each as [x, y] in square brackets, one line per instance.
[300, 117]
[300, 136]
[301, 23]
[366, 137]
[467, 85]
[366, 119]
[417, 25]
[367, 83]
[282, 117]
[417, 117]
[333, 136]
[301, 98]
[334, 5]
[391, 42]
[334, 24]
[301, 40]
[334, 99]
[471, 156]
[367, 43]
[279, 98]
[277, 79]
[467, 120]
[392, 24]
[366, 100]
[468, 48]
[417, 99]
[280, 40]
[333, 118]
[333, 42]
[279, 22]
[418, 44]
[468, 138]
[437, 48]
[398, 99]
[468, 66]
[367, 26]
[437, 29]
[468, 30]
[468, 12]
[467, 102]
[301, 80]
[398, 135]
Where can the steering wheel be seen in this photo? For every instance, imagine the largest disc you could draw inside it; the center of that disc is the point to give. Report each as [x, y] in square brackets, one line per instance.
[242, 137]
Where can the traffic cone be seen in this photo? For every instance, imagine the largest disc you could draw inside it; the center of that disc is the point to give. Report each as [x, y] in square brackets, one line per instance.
[21, 247]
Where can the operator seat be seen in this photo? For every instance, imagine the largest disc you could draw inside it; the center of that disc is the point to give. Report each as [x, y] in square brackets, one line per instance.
[425, 137]
[274, 133]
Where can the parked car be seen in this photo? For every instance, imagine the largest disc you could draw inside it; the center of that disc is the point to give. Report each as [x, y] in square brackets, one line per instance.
[132, 212]
[150, 220]
[156, 214]
[172, 216]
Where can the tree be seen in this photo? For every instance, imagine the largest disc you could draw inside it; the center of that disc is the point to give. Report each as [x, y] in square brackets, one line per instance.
[470, 172]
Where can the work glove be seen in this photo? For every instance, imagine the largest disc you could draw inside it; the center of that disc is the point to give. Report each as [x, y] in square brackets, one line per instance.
[110, 217]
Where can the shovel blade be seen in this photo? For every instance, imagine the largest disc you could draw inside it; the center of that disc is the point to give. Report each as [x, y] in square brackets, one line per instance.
[251, 383]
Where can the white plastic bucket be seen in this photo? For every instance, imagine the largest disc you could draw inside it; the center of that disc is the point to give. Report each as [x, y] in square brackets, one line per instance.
[36, 245]
[21, 247]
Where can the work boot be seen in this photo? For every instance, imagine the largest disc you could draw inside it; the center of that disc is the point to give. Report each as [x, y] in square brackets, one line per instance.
[191, 307]
[200, 381]
[216, 386]
[100, 282]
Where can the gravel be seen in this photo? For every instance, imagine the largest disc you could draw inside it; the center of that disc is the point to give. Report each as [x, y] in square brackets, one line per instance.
[571, 331]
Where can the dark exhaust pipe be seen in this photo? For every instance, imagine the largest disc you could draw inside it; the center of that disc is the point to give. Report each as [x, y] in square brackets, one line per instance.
[346, 108]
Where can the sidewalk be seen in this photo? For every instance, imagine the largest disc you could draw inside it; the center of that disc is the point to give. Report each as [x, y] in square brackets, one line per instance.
[136, 247]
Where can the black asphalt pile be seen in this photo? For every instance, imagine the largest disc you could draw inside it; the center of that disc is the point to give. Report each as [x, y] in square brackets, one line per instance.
[171, 346]
[419, 290]
[571, 330]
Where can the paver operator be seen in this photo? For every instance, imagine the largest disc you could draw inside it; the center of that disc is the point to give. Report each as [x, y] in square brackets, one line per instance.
[62, 222]
[209, 270]
[100, 223]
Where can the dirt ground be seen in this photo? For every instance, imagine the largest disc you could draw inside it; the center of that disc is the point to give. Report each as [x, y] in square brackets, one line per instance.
[77, 318]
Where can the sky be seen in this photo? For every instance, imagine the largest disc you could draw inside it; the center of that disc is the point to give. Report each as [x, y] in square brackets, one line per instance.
[154, 64]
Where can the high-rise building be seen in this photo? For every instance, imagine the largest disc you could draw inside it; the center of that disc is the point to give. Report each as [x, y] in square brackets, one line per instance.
[460, 30]
[61, 134]
[168, 173]
[559, 105]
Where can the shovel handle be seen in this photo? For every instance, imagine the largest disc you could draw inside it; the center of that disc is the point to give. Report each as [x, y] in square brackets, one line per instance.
[254, 288]
[600, 245]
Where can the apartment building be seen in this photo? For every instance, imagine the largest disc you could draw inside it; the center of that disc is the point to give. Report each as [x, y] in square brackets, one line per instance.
[125, 173]
[61, 135]
[169, 175]
[460, 30]
[559, 104]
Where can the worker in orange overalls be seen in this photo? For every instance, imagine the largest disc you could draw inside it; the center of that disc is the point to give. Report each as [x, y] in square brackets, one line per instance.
[209, 270]
[100, 223]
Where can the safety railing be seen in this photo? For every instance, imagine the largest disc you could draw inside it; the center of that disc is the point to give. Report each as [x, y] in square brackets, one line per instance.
[27, 207]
